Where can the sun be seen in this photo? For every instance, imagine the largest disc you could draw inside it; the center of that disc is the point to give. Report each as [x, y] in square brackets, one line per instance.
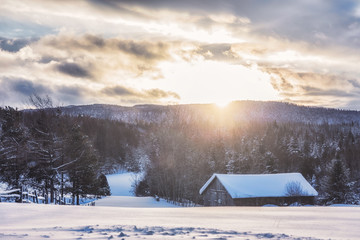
[222, 103]
[206, 81]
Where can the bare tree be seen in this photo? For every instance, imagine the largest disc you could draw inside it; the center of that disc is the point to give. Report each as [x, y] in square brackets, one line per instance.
[40, 102]
[295, 189]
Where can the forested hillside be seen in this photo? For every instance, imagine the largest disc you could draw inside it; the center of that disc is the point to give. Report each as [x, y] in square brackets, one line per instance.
[70, 149]
[236, 111]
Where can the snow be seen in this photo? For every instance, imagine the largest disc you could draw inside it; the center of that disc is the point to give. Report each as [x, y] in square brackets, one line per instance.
[122, 196]
[3, 187]
[134, 202]
[260, 185]
[121, 183]
[9, 191]
[38, 221]
[129, 217]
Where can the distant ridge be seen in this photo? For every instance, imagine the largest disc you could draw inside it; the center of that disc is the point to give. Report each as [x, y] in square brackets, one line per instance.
[238, 111]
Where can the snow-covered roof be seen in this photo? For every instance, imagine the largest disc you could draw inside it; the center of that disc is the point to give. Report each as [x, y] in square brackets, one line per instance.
[261, 185]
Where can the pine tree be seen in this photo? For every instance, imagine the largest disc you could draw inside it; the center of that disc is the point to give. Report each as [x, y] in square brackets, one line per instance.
[102, 186]
[45, 144]
[45, 152]
[337, 183]
[82, 164]
[14, 148]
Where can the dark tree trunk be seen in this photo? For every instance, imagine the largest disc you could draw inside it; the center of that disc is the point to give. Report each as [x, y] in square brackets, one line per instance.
[52, 192]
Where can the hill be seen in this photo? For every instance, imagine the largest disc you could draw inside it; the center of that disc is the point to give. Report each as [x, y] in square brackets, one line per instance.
[238, 111]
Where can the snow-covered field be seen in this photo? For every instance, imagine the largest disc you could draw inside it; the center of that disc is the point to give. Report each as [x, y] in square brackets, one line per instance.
[32, 221]
[133, 202]
[126, 217]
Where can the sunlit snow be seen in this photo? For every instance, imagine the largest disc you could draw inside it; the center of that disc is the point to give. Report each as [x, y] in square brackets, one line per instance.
[33, 221]
[129, 217]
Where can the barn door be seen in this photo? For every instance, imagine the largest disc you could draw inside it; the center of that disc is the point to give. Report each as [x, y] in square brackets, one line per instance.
[220, 198]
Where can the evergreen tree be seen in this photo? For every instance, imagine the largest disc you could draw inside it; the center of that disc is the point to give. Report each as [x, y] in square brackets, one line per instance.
[337, 183]
[45, 152]
[14, 148]
[102, 188]
[81, 164]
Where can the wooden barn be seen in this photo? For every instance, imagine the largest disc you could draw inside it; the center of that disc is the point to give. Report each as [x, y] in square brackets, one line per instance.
[257, 190]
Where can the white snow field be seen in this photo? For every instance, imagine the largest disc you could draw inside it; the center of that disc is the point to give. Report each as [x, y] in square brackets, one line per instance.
[33, 221]
[123, 216]
[121, 183]
[134, 202]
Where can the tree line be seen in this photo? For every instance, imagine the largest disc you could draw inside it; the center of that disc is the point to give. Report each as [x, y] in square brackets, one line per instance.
[59, 154]
[184, 154]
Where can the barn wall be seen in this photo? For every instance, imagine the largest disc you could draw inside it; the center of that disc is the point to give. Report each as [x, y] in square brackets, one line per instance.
[280, 201]
[216, 195]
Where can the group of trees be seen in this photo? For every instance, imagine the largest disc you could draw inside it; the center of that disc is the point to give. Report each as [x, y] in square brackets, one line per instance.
[59, 154]
[54, 154]
[184, 154]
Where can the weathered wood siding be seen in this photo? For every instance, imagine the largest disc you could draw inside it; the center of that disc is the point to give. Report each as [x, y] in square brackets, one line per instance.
[280, 201]
[216, 195]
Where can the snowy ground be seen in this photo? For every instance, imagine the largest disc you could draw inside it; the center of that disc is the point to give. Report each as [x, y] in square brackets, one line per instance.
[32, 221]
[121, 184]
[134, 202]
[126, 217]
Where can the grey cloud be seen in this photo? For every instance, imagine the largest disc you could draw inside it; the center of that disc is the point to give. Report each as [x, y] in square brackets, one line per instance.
[48, 59]
[158, 94]
[94, 56]
[313, 91]
[216, 51]
[144, 50]
[73, 70]
[95, 40]
[86, 42]
[91, 43]
[26, 87]
[313, 88]
[354, 83]
[151, 94]
[13, 45]
[280, 82]
[118, 91]
[184, 5]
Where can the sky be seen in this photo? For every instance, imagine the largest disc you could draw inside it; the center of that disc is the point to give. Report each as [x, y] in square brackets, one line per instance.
[178, 52]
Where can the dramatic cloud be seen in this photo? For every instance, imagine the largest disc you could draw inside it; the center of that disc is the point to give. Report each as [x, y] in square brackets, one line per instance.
[73, 69]
[150, 95]
[118, 91]
[141, 50]
[19, 89]
[127, 52]
[13, 45]
[26, 87]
